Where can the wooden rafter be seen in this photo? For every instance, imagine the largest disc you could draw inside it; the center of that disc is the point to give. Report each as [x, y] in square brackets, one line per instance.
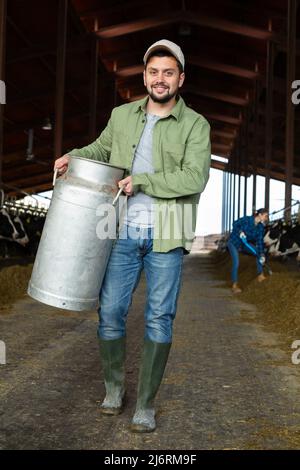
[188, 17]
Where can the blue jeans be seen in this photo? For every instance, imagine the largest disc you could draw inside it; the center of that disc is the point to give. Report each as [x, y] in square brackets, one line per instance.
[235, 261]
[131, 254]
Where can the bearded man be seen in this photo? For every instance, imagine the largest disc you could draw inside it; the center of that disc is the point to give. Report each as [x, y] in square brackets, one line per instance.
[165, 147]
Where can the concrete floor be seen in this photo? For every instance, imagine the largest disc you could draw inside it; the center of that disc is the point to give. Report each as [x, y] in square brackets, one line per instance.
[229, 384]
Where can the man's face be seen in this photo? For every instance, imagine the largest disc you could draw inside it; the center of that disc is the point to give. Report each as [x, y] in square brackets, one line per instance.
[162, 78]
[264, 217]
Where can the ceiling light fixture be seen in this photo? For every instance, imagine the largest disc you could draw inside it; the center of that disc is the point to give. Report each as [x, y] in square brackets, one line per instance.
[47, 126]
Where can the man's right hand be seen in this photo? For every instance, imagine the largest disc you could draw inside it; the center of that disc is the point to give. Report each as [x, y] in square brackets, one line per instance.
[262, 260]
[61, 164]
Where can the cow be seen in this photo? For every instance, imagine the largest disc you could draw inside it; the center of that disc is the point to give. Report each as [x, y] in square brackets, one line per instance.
[8, 230]
[20, 232]
[33, 226]
[8, 233]
[283, 239]
[22, 237]
[13, 236]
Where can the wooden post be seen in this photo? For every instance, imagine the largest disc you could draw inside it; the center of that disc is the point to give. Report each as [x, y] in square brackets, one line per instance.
[2, 74]
[255, 139]
[230, 193]
[116, 96]
[60, 76]
[290, 111]
[269, 117]
[226, 202]
[234, 188]
[223, 201]
[246, 150]
[93, 88]
[239, 171]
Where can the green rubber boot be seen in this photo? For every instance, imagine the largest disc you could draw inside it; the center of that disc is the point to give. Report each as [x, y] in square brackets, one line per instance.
[154, 360]
[113, 362]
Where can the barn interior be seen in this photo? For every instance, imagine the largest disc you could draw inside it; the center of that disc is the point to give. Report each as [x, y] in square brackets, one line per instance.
[232, 381]
[66, 64]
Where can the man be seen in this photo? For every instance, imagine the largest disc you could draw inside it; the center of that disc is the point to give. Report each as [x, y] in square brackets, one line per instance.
[165, 148]
[248, 229]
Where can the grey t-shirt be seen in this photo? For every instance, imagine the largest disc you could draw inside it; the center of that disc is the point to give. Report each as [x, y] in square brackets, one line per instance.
[140, 207]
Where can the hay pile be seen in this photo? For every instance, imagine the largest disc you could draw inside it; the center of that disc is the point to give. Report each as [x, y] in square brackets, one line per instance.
[13, 283]
[277, 298]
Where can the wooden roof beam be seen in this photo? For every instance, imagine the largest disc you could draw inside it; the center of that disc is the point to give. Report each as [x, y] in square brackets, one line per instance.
[137, 25]
[228, 26]
[92, 12]
[36, 179]
[44, 94]
[223, 118]
[200, 91]
[209, 115]
[130, 71]
[223, 134]
[28, 170]
[222, 67]
[225, 148]
[188, 17]
[218, 165]
[82, 43]
[16, 156]
[259, 171]
[37, 188]
[200, 62]
[233, 99]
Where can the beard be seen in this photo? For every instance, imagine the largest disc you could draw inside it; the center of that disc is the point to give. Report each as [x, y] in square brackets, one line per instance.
[162, 99]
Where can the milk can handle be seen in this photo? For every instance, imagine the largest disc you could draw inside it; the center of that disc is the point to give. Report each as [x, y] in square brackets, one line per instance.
[118, 195]
[54, 176]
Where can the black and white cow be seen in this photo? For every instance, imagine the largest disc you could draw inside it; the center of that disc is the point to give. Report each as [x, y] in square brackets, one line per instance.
[282, 239]
[13, 236]
[8, 230]
[22, 237]
[33, 226]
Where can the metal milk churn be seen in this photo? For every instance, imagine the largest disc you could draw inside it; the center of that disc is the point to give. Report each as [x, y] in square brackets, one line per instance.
[71, 259]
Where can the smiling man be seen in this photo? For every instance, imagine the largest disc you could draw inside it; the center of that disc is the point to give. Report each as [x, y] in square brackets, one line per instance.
[165, 148]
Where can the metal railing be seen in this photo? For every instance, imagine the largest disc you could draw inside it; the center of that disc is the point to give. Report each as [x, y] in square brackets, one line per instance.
[17, 207]
[295, 216]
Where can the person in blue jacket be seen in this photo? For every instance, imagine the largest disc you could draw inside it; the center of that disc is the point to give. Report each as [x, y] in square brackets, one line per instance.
[249, 229]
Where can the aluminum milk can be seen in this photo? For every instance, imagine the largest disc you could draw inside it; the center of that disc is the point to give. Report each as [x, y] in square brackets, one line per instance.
[72, 256]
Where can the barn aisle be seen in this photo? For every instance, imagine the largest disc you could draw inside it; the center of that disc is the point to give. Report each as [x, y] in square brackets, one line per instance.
[229, 383]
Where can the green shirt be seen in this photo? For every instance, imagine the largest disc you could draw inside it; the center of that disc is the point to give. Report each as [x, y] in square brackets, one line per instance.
[181, 160]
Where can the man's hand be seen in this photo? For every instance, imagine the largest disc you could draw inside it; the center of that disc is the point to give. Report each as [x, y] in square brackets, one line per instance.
[243, 235]
[262, 260]
[128, 187]
[61, 164]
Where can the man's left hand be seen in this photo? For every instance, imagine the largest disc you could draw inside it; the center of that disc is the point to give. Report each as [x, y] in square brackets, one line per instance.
[128, 187]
